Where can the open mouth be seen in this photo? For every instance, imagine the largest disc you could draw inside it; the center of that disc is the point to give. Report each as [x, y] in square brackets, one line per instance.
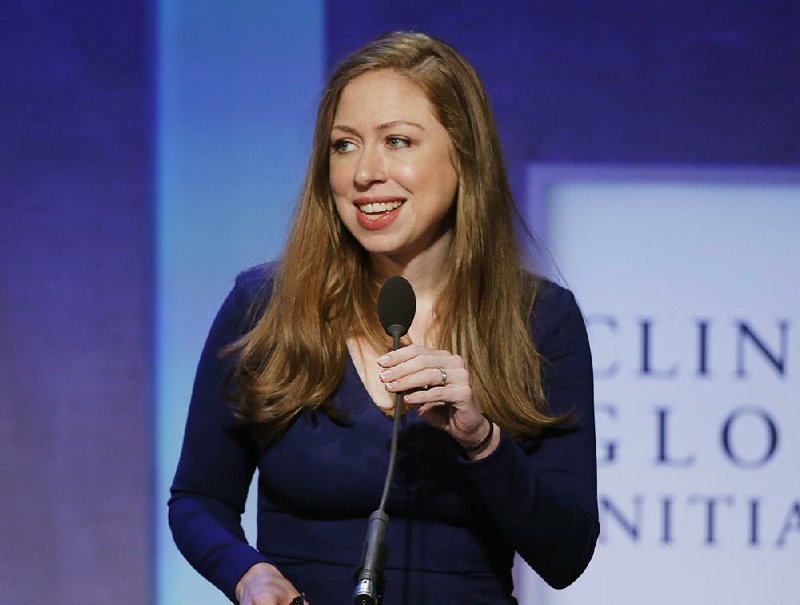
[378, 208]
[375, 214]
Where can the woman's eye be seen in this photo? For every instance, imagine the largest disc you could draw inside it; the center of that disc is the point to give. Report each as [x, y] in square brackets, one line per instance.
[397, 142]
[342, 146]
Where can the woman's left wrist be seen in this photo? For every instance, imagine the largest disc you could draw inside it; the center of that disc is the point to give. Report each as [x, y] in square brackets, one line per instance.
[473, 447]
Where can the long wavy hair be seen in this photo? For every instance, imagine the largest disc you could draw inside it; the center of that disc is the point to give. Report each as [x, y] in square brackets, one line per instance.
[293, 358]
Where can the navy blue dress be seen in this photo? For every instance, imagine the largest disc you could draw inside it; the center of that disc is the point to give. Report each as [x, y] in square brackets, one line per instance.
[455, 524]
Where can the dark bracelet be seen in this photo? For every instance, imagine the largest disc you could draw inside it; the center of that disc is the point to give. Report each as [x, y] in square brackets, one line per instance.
[485, 441]
[299, 600]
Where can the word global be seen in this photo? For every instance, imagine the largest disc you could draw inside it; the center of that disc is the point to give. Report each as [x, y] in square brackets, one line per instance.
[753, 449]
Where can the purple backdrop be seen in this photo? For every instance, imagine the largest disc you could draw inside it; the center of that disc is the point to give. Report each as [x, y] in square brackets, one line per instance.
[76, 189]
[657, 82]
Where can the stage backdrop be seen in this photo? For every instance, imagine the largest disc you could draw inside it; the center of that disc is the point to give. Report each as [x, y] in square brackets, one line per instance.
[570, 81]
[629, 82]
[689, 284]
[238, 84]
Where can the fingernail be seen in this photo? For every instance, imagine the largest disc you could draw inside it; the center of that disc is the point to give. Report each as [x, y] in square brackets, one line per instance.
[383, 360]
[386, 375]
[391, 386]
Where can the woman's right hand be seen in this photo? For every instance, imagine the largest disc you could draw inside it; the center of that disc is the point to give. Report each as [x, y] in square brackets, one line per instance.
[263, 584]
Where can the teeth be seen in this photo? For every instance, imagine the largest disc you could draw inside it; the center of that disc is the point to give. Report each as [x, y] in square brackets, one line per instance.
[377, 207]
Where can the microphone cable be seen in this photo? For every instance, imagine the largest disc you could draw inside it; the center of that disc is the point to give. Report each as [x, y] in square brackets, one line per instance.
[396, 309]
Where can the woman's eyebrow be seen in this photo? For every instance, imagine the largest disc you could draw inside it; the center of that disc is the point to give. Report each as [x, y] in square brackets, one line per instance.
[394, 123]
[380, 127]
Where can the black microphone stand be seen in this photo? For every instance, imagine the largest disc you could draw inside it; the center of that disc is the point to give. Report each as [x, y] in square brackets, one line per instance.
[369, 586]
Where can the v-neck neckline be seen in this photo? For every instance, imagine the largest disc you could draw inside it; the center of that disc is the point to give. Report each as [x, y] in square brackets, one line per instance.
[350, 369]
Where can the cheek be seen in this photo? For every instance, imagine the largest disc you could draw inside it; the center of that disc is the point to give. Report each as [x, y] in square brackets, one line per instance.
[440, 179]
[408, 176]
[339, 180]
[432, 173]
[341, 205]
[418, 175]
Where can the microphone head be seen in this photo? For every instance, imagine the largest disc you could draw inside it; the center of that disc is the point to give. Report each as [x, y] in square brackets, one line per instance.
[396, 305]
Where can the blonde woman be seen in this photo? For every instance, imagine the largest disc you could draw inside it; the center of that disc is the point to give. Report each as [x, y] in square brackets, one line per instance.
[297, 380]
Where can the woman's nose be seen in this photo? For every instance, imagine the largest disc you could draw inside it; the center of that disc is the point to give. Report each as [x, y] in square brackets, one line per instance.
[370, 168]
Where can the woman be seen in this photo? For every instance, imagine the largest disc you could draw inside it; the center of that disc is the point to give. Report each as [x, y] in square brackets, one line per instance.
[497, 445]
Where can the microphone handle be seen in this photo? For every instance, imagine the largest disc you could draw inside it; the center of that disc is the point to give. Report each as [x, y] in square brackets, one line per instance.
[369, 586]
[369, 582]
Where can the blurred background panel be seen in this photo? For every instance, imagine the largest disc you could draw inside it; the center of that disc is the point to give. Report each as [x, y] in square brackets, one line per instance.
[237, 90]
[76, 301]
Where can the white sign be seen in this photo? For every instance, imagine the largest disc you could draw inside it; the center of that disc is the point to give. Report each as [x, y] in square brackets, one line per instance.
[690, 285]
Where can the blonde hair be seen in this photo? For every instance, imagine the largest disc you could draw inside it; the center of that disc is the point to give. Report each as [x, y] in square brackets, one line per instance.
[294, 357]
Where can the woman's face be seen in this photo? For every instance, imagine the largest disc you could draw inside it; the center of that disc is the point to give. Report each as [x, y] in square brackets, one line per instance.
[391, 167]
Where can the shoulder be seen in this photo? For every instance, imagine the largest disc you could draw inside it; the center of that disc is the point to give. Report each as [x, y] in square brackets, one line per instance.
[247, 300]
[255, 279]
[554, 310]
[253, 287]
[559, 334]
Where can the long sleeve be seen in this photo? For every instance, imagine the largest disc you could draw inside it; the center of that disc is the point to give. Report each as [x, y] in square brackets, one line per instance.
[323, 474]
[217, 460]
[542, 493]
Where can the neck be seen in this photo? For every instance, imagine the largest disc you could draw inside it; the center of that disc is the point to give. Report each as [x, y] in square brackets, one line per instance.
[425, 270]
[426, 274]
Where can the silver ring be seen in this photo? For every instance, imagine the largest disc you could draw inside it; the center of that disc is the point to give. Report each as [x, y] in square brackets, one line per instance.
[444, 377]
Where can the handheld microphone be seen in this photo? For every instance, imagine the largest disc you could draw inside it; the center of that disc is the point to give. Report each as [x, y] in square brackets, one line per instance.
[396, 307]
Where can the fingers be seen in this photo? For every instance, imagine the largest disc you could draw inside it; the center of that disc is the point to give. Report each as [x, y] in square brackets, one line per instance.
[415, 367]
[263, 584]
[426, 378]
[454, 394]
[426, 385]
[437, 384]
[403, 354]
